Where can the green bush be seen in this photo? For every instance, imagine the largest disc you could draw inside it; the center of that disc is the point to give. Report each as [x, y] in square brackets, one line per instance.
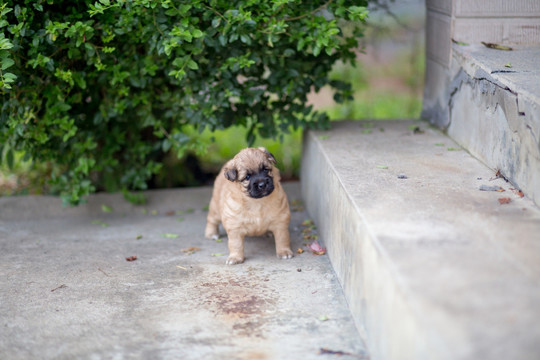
[104, 89]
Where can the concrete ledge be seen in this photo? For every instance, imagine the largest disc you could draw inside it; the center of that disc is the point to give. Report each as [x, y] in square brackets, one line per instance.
[494, 110]
[432, 267]
[489, 101]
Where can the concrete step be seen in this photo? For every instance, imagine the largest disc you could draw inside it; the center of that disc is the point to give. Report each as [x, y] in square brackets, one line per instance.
[493, 106]
[432, 267]
[67, 291]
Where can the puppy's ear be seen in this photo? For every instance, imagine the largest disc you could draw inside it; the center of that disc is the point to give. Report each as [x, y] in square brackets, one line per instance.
[230, 171]
[271, 157]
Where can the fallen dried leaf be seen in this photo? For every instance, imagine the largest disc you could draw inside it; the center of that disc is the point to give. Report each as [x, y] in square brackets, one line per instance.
[497, 46]
[504, 200]
[316, 248]
[181, 267]
[190, 250]
[300, 251]
[416, 129]
[499, 175]
[170, 213]
[323, 318]
[217, 254]
[138, 237]
[131, 258]
[517, 192]
[297, 205]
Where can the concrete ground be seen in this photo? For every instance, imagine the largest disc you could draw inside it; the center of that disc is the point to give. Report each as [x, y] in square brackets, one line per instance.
[67, 290]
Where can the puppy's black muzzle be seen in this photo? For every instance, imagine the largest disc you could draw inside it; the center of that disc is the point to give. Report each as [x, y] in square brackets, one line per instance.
[260, 185]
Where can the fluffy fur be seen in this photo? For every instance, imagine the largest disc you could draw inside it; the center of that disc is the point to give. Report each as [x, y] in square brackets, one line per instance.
[249, 201]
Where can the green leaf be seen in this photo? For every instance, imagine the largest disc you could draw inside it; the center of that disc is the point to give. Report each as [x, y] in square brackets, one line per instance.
[9, 78]
[196, 33]
[192, 65]
[5, 44]
[170, 235]
[106, 209]
[100, 223]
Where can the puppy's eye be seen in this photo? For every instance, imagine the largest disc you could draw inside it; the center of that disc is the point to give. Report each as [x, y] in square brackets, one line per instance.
[247, 177]
[266, 171]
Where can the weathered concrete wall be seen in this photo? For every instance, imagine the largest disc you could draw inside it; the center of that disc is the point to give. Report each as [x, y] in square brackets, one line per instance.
[495, 114]
[472, 22]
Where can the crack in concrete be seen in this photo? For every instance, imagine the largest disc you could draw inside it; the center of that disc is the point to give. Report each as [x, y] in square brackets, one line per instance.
[463, 78]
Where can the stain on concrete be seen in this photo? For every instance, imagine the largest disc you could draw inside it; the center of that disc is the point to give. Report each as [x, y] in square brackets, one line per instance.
[243, 302]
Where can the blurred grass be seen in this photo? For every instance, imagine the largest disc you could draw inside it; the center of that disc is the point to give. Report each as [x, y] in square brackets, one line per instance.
[387, 84]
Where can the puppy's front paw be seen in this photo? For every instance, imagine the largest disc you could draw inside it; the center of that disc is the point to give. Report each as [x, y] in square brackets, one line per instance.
[285, 254]
[233, 260]
[211, 235]
[211, 231]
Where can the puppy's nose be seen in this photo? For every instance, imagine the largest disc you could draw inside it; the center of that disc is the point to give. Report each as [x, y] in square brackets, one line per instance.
[261, 185]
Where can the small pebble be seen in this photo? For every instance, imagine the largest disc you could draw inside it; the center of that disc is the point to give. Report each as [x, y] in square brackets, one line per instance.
[402, 176]
[299, 270]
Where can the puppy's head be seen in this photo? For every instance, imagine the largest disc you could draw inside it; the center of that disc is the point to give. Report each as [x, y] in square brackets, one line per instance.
[254, 169]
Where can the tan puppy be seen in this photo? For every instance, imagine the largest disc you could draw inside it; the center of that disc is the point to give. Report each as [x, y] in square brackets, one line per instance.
[249, 201]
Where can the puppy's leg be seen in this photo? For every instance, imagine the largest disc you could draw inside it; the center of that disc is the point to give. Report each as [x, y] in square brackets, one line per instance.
[212, 223]
[236, 248]
[283, 242]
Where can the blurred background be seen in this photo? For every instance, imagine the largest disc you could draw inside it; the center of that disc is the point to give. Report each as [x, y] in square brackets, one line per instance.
[388, 84]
